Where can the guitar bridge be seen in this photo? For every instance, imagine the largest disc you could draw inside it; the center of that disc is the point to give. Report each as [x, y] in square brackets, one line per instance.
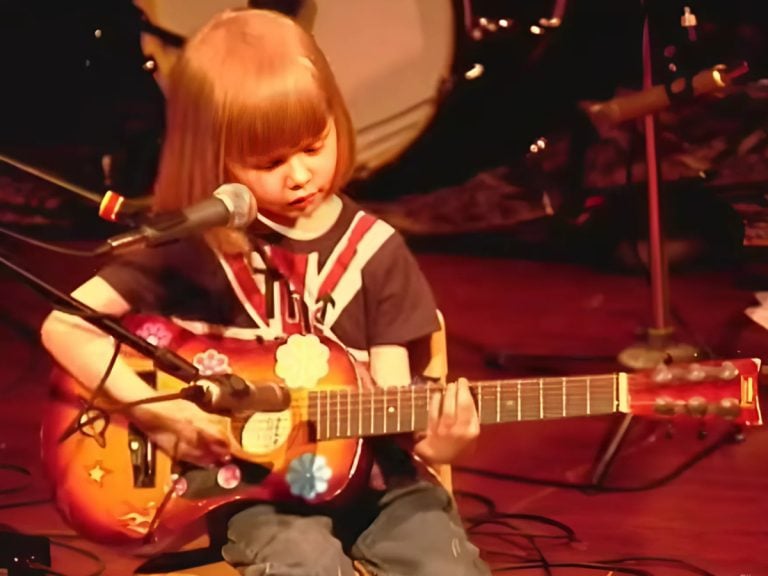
[142, 453]
[141, 449]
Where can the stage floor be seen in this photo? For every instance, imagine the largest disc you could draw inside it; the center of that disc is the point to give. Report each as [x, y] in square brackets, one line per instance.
[506, 317]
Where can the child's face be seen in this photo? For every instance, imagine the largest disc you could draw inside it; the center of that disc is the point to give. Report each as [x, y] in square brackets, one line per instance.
[293, 184]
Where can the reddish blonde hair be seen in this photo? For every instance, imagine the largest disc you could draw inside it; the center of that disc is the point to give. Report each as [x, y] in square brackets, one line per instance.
[250, 83]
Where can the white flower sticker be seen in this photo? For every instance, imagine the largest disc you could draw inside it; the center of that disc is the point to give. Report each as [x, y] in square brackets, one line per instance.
[308, 475]
[211, 362]
[302, 361]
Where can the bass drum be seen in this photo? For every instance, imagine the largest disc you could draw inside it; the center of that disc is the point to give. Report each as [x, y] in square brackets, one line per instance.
[392, 59]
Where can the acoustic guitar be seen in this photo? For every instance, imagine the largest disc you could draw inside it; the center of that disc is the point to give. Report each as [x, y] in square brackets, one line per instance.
[114, 487]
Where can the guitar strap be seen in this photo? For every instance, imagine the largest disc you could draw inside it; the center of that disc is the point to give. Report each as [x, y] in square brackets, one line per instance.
[285, 279]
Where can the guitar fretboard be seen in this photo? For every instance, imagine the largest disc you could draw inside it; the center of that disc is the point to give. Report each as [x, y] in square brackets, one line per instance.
[352, 413]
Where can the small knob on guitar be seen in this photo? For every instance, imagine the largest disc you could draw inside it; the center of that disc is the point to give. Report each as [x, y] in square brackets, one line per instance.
[729, 408]
[695, 373]
[661, 374]
[698, 406]
[727, 371]
[664, 406]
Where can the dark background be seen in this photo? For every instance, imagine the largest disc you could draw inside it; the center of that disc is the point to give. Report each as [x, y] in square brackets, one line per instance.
[63, 86]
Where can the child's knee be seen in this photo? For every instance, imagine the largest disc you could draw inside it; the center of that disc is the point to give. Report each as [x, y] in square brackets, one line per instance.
[284, 545]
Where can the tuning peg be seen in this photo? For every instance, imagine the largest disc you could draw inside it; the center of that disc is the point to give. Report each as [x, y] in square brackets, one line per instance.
[727, 371]
[664, 406]
[661, 373]
[697, 406]
[696, 372]
[729, 407]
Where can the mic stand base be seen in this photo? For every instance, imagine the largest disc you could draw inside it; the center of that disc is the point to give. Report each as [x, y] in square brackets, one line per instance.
[659, 349]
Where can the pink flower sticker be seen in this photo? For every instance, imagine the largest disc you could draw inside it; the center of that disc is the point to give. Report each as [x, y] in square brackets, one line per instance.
[212, 362]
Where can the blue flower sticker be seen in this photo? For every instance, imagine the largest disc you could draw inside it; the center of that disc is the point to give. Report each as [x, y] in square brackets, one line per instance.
[308, 475]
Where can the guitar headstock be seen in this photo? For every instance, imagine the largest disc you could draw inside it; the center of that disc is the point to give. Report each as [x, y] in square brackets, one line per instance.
[708, 389]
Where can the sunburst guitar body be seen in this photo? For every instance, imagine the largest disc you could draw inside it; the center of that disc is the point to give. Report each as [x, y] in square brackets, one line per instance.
[113, 486]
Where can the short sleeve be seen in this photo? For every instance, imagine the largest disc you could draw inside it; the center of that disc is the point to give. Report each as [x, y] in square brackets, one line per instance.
[400, 306]
[181, 279]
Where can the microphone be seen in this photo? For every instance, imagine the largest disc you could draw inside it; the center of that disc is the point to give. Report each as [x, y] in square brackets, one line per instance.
[232, 205]
[231, 393]
[637, 104]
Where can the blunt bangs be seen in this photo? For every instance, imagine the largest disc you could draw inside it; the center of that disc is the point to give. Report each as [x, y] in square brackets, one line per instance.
[274, 117]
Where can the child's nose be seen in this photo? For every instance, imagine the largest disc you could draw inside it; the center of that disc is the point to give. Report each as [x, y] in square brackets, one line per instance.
[298, 172]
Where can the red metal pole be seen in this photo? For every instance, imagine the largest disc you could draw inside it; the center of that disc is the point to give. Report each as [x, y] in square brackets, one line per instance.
[657, 265]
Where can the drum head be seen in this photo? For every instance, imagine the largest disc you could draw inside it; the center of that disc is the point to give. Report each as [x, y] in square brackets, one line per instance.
[390, 57]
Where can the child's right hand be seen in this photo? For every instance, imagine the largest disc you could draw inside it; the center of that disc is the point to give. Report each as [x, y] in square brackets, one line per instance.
[185, 432]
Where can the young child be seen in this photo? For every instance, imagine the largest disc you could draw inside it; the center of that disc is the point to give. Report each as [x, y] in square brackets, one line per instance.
[252, 100]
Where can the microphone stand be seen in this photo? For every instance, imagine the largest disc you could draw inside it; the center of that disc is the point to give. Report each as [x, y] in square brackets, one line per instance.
[660, 346]
[163, 358]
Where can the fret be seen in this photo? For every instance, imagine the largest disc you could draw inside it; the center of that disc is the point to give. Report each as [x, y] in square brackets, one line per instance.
[554, 398]
[338, 415]
[575, 403]
[327, 413]
[365, 416]
[479, 403]
[399, 411]
[359, 413]
[541, 398]
[318, 414]
[349, 412]
[589, 397]
[563, 387]
[498, 401]
[373, 413]
[508, 401]
[519, 401]
[385, 408]
[413, 408]
[531, 401]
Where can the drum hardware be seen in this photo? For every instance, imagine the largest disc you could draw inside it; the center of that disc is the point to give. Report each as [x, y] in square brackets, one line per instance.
[479, 28]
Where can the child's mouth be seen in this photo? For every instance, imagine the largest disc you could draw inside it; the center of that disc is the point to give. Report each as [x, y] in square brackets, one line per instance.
[302, 200]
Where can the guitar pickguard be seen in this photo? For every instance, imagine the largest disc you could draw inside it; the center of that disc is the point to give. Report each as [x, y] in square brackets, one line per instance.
[265, 432]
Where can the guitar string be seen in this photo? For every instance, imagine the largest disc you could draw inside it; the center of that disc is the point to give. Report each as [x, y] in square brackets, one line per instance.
[336, 417]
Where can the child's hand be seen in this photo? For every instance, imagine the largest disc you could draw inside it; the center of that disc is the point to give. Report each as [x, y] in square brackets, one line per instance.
[185, 432]
[453, 424]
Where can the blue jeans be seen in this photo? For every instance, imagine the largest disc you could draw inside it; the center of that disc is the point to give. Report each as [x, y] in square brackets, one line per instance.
[412, 530]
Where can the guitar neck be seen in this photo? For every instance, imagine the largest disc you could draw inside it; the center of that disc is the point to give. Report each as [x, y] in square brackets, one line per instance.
[352, 413]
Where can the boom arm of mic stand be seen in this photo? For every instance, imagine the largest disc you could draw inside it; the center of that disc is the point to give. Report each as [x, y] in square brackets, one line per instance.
[165, 359]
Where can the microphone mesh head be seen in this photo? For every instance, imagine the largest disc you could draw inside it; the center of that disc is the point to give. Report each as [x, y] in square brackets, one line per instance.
[240, 203]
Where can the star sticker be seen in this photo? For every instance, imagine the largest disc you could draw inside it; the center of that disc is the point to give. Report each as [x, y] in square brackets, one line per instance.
[97, 473]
